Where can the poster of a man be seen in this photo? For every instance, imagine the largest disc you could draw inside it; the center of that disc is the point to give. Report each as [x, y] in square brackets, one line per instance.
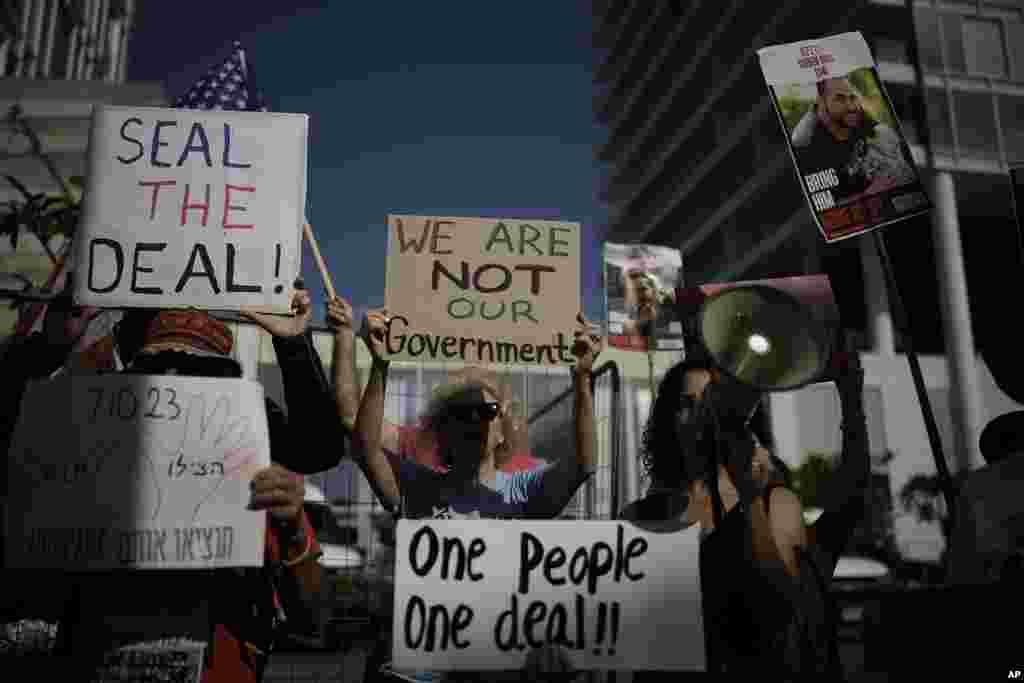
[853, 162]
[839, 134]
[640, 283]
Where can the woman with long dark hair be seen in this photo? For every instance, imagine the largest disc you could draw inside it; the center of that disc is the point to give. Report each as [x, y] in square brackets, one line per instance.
[764, 575]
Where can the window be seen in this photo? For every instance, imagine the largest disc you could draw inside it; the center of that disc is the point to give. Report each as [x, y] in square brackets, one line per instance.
[940, 128]
[906, 104]
[975, 124]
[954, 37]
[1015, 38]
[890, 50]
[1011, 118]
[985, 53]
[927, 23]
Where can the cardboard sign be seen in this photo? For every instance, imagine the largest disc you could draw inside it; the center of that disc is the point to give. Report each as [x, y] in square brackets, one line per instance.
[853, 163]
[482, 290]
[484, 594]
[148, 472]
[639, 285]
[189, 208]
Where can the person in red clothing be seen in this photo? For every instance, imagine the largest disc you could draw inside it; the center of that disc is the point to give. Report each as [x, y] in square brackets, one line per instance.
[415, 442]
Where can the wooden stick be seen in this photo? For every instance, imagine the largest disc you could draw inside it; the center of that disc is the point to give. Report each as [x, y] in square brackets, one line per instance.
[308, 231]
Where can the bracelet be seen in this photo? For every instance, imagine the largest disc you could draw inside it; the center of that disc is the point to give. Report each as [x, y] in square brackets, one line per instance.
[305, 553]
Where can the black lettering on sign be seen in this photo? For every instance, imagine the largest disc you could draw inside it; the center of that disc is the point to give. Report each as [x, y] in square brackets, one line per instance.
[203, 544]
[541, 623]
[433, 628]
[588, 564]
[456, 558]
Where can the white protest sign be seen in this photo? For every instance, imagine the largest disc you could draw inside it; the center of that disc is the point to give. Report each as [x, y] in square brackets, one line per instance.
[482, 594]
[482, 290]
[148, 472]
[189, 208]
[852, 160]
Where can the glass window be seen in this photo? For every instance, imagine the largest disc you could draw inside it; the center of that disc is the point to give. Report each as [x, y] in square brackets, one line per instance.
[906, 104]
[954, 36]
[927, 23]
[940, 128]
[975, 124]
[1011, 117]
[1015, 38]
[890, 50]
[983, 39]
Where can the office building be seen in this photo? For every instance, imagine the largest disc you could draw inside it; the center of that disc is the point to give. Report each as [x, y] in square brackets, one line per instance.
[695, 158]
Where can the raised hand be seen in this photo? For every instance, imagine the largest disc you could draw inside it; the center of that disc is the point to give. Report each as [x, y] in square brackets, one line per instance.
[374, 331]
[587, 344]
[283, 325]
[339, 316]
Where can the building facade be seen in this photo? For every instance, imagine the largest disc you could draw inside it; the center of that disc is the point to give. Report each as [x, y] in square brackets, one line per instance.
[58, 60]
[695, 159]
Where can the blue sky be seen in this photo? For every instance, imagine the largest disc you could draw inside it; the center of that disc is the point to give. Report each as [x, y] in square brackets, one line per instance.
[459, 109]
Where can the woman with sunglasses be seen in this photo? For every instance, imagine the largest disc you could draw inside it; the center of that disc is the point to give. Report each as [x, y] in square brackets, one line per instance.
[465, 419]
[466, 422]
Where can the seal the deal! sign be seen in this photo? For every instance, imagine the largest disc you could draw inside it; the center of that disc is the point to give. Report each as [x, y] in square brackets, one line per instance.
[189, 208]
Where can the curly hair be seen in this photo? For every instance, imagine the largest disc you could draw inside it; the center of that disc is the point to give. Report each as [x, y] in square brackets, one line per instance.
[662, 455]
[514, 426]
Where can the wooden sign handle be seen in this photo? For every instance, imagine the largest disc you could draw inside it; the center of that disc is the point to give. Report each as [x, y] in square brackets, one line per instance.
[308, 231]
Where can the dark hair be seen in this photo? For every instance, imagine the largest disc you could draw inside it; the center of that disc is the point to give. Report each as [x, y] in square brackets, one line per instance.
[660, 448]
[661, 452]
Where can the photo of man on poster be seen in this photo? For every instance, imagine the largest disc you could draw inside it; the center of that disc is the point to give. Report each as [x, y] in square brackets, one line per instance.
[839, 135]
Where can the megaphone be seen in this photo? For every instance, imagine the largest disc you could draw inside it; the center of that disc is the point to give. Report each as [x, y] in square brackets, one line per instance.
[766, 335]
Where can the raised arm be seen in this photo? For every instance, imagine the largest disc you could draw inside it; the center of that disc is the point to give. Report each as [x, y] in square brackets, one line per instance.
[310, 403]
[586, 348]
[556, 484]
[382, 473]
[845, 496]
[343, 369]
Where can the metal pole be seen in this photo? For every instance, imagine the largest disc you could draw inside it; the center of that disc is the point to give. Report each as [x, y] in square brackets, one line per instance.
[51, 32]
[899, 313]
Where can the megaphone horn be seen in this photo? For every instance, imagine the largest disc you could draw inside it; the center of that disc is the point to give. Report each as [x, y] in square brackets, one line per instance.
[770, 335]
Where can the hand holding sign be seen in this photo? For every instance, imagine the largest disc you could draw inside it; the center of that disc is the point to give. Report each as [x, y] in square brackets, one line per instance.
[279, 491]
[374, 332]
[286, 326]
[339, 316]
[587, 345]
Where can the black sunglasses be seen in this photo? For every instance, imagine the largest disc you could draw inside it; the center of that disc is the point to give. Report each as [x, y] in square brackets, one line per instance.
[480, 412]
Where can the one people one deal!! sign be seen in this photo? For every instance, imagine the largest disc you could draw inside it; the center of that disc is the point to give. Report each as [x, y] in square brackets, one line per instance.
[132, 471]
[484, 594]
[482, 290]
[189, 208]
[852, 161]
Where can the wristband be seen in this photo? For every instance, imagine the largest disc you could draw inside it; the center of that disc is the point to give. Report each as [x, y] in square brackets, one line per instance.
[305, 553]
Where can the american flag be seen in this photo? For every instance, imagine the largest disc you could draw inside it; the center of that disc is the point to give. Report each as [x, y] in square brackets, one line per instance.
[227, 85]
